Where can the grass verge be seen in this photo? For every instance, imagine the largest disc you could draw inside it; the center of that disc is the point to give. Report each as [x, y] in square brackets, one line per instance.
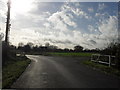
[69, 54]
[103, 68]
[13, 70]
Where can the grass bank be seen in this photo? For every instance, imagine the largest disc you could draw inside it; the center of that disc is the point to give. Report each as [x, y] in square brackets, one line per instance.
[12, 70]
[103, 68]
[69, 54]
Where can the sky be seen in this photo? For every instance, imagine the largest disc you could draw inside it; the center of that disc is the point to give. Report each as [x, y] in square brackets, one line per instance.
[64, 24]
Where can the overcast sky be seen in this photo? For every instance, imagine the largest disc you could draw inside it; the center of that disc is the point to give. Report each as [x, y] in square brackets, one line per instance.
[64, 24]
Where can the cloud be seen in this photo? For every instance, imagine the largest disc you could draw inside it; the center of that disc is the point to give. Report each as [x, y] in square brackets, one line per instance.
[29, 20]
[101, 6]
[98, 14]
[59, 41]
[91, 28]
[46, 25]
[63, 27]
[76, 10]
[2, 14]
[55, 29]
[79, 12]
[90, 10]
[108, 33]
[62, 20]
[93, 42]
[23, 35]
[108, 28]
[56, 22]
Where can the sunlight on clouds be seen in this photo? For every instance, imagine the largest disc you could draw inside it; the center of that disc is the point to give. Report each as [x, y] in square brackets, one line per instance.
[20, 6]
[56, 28]
[24, 35]
[71, 24]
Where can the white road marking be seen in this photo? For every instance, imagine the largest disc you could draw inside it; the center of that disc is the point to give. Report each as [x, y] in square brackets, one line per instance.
[35, 60]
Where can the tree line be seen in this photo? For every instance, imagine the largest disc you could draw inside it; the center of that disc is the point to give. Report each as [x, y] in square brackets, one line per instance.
[29, 47]
[112, 49]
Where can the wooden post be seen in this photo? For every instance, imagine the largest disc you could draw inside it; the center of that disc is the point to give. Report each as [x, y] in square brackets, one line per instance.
[109, 61]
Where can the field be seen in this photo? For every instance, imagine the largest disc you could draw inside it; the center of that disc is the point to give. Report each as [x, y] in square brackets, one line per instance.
[70, 54]
[103, 68]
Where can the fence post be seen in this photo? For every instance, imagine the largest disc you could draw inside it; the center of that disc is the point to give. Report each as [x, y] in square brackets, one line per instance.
[109, 61]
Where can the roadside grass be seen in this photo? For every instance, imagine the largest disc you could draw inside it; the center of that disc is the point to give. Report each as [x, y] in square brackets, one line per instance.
[69, 54]
[13, 70]
[103, 68]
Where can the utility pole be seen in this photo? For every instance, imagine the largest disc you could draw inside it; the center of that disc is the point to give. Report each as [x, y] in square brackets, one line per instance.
[8, 22]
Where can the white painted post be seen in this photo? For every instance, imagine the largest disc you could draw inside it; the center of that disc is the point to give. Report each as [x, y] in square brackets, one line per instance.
[91, 57]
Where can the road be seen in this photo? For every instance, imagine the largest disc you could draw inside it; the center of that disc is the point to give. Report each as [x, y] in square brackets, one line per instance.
[63, 72]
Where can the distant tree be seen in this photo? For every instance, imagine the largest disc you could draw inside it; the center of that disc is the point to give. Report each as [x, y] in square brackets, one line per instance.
[47, 44]
[20, 44]
[113, 49]
[78, 48]
[53, 47]
[36, 48]
[66, 50]
[87, 50]
[27, 48]
[30, 44]
[70, 50]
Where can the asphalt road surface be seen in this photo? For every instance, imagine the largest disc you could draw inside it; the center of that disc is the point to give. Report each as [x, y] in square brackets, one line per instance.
[63, 72]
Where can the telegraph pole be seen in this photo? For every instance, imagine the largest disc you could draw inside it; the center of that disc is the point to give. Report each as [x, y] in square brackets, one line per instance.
[8, 22]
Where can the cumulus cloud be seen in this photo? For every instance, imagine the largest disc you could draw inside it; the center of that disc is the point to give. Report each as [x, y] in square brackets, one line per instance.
[76, 10]
[62, 20]
[108, 28]
[108, 33]
[81, 13]
[62, 27]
